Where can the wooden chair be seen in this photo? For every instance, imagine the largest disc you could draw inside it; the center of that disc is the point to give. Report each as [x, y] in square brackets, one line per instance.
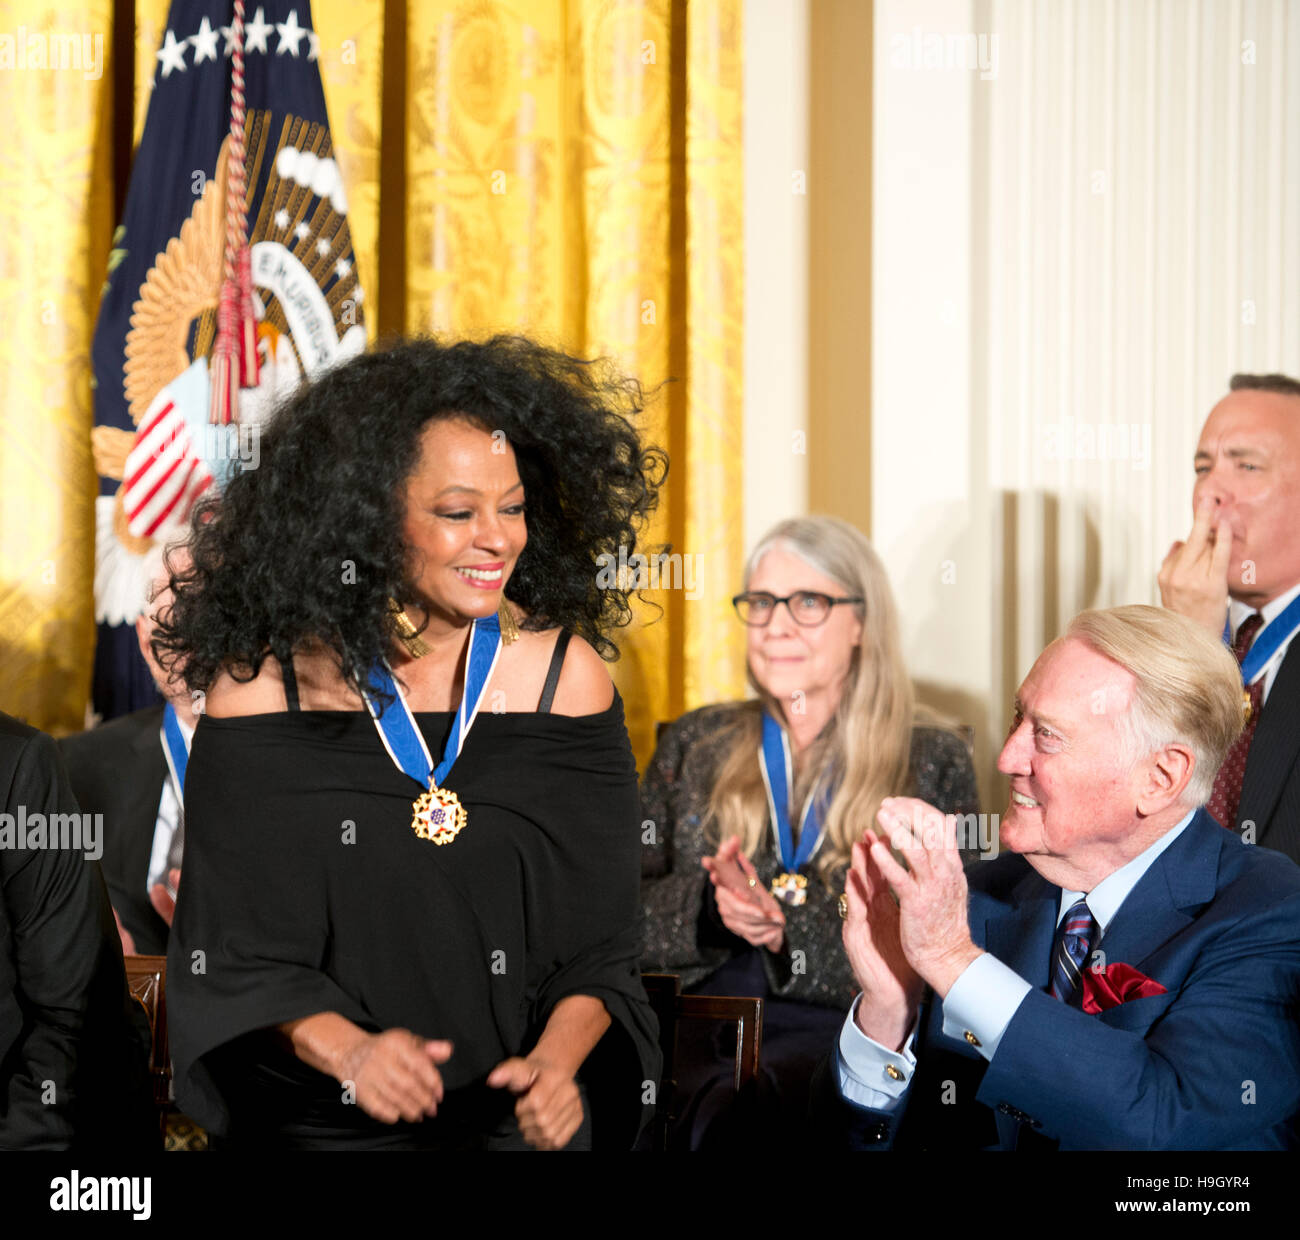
[672, 1009]
[146, 979]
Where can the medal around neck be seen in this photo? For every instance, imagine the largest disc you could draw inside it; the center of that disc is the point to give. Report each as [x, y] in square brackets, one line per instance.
[774, 760]
[437, 813]
[1267, 641]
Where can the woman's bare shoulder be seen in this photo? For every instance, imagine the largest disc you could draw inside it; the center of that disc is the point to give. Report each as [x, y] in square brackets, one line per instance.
[229, 698]
[320, 687]
[585, 687]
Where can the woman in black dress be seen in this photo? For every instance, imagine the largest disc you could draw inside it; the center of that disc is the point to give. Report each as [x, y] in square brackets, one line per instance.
[408, 917]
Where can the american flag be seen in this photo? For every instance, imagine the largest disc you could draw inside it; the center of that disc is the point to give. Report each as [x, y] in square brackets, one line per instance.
[164, 474]
[156, 449]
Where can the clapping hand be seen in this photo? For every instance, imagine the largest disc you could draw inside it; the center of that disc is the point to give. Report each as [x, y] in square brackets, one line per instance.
[747, 909]
[891, 988]
[932, 927]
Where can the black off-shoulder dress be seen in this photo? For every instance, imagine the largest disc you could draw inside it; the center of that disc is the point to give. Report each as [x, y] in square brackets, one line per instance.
[306, 890]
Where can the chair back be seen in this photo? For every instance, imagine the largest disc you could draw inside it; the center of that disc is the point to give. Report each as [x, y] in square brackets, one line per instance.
[673, 1009]
[146, 980]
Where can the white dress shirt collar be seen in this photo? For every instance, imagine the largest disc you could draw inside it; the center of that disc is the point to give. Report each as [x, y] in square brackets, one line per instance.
[1106, 897]
[1238, 612]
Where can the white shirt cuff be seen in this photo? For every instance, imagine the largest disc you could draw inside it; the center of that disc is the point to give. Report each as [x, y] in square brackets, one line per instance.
[981, 1003]
[870, 1075]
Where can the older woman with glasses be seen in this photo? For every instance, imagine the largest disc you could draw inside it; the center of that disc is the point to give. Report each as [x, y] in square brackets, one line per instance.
[756, 806]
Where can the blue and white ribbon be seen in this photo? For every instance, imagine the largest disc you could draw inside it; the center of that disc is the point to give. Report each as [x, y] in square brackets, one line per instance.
[397, 727]
[778, 778]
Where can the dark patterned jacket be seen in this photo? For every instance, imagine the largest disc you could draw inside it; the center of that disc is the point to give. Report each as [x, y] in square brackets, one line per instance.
[683, 932]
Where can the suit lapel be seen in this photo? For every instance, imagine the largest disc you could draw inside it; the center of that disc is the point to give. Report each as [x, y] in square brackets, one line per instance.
[1021, 935]
[140, 800]
[1273, 749]
[1182, 878]
[1179, 881]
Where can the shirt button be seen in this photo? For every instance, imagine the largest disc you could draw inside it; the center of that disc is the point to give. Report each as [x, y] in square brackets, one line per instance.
[972, 1039]
[893, 1073]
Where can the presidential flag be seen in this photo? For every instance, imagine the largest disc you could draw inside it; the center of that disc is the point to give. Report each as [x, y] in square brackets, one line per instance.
[231, 280]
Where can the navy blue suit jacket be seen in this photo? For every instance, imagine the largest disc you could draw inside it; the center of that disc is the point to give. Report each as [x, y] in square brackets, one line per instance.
[1213, 1063]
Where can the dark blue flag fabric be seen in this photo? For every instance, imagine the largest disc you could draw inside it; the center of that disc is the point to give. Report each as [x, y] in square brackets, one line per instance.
[156, 448]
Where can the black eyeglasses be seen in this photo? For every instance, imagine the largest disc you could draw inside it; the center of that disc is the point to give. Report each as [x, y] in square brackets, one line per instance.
[806, 607]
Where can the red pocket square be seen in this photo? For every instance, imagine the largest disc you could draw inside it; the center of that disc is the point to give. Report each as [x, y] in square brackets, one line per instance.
[1116, 984]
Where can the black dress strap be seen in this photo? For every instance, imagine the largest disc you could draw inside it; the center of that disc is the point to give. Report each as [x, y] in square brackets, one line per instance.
[290, 684]
[553, 673]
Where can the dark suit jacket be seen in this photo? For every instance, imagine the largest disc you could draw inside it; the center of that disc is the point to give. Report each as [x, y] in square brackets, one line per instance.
[73, 1069]
[1213, 1063]
[118, 770]
[1270, 795]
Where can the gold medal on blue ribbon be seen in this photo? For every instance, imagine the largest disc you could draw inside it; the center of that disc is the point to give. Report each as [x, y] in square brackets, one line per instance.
[789, 886]
[1263, 649]
[439, 816]
[437, 813]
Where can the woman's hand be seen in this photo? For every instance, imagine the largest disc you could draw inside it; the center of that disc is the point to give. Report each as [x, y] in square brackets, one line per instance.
[394, 1074]
[549, 1109]
[747, 909]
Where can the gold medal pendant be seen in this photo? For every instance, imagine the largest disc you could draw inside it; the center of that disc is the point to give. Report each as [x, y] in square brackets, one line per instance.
[790, 888]
[438, 815]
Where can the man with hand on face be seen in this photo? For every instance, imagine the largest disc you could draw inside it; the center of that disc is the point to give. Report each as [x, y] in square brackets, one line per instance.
[1238, 576]
[132, 770]
[1125, 975]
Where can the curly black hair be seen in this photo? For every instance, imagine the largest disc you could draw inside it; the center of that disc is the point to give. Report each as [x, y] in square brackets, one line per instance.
[309, 545]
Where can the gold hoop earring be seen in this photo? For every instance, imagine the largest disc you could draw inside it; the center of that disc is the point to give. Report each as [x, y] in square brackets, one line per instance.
[407, 633]
[509, 627]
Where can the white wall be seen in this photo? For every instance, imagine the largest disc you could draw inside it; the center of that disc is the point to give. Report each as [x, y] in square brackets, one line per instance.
[1084, 236]
[776, 262]
[929, 502]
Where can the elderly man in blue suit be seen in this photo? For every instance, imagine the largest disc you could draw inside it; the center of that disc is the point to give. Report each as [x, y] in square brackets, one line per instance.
[1126, 975]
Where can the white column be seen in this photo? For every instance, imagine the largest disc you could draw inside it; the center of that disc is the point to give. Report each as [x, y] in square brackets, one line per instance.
[776, 263]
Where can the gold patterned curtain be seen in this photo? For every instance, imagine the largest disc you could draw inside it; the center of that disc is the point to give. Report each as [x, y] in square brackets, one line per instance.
[570, 169]
[56, 209]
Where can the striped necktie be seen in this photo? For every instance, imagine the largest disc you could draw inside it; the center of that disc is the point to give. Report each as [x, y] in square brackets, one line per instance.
[1074, 939]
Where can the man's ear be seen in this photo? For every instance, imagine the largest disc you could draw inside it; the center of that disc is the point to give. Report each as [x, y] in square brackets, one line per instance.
[143, 634]
[1163, 777]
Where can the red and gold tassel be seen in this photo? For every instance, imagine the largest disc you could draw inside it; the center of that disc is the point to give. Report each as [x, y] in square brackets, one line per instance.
[234, 355]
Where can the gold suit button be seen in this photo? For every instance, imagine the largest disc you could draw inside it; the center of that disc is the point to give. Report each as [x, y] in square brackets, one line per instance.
[972, 1039]
[893, 1073]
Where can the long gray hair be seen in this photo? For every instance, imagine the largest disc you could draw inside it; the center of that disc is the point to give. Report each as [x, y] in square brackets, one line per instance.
[868, 741]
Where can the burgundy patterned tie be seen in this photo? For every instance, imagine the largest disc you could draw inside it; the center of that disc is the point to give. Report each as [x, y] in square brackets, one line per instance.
[1226, 796]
